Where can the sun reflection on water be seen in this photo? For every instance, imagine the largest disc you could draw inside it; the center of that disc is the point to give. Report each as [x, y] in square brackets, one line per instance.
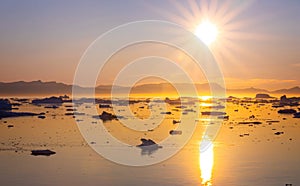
[206, 163]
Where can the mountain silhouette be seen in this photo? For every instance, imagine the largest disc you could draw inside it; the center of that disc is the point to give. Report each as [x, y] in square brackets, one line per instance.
[22, 88]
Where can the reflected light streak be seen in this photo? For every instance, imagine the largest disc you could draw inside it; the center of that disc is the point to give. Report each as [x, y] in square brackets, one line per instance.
[206, 163]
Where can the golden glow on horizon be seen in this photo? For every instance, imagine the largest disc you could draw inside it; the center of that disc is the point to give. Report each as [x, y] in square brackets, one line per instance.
[205, 98]
[207, 32]
[206, 163]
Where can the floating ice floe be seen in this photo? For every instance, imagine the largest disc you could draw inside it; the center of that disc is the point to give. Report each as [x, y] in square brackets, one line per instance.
[42, 152]
[287, 111]
[51, 100]
[213, 113]
[250, 122]
[5, 104]
[105, 116]
[297, 115]
[148, 146]
[175, 132]
[8, 114]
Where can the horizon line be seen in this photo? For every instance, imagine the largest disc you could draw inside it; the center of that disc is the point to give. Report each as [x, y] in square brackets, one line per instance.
[152, 83]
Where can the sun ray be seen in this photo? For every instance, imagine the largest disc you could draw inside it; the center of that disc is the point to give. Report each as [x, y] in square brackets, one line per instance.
[238, 49]
[172, 16]
[212, 8]
[237, 25]
[224, 54]
[203, 7]
[195, 9]
[234, 13]
[236, 35]
[185, 12]
[224, 8]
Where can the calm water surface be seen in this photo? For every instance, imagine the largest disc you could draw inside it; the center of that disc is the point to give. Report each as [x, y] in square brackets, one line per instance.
[240, 155]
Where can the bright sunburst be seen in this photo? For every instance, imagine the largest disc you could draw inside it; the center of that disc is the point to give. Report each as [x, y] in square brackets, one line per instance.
[207, 32]
[220, 29]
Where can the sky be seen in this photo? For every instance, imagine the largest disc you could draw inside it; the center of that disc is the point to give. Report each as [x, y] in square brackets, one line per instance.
[258, 45]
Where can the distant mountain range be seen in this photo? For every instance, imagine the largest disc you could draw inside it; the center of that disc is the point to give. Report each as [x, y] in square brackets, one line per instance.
[22, 88]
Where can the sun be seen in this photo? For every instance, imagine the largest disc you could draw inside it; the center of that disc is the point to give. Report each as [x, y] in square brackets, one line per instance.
[207, 32]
